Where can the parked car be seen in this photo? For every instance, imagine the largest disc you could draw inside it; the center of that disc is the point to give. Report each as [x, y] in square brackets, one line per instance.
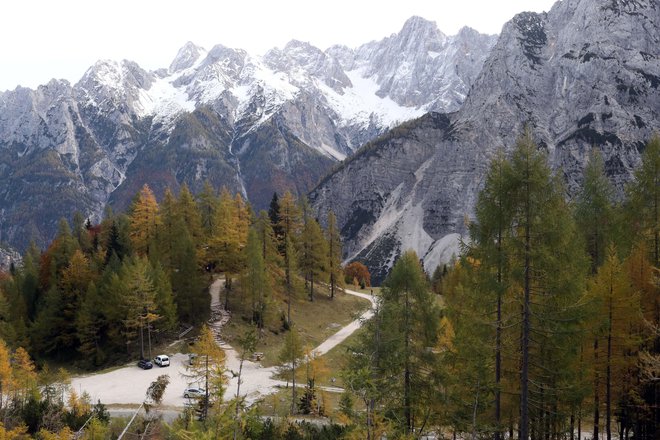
[162, 360]
[145, 364]
[193, 392]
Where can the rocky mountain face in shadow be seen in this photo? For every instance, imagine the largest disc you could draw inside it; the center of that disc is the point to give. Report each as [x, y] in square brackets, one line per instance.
[584, 75]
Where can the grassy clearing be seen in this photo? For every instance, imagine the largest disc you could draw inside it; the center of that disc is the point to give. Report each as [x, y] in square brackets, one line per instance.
[315, 321]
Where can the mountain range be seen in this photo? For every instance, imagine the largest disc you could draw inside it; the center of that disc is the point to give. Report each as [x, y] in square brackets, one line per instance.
[584, 75]
[255, 124]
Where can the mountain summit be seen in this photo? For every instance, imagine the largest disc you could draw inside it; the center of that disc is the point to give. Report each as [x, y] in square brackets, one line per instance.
[255, 124]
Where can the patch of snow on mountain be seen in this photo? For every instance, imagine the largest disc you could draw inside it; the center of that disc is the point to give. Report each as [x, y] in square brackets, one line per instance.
[276, 84]
[164, 100]
[359, 104]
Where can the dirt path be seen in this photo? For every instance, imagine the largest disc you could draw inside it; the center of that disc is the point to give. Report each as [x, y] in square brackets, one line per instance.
[348, 330]
[128, 385]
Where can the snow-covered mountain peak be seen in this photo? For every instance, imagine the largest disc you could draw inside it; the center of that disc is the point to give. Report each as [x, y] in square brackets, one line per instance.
[115, 75]
[187, 56]
[419, 34]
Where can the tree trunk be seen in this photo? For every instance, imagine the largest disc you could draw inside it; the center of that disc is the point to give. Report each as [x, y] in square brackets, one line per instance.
[524, 373]
[572, 425]
[498, 329]
[498, 361]
[332, 286]
[287, 275]
[474, 413]
[406, 377]
[608, 373]
[227, 289]
[596, 391]
[293, 391]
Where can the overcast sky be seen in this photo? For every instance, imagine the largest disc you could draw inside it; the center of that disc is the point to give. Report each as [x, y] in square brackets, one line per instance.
[44, 39]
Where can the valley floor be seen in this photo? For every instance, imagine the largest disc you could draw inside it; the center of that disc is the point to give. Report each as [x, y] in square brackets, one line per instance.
[128, 385]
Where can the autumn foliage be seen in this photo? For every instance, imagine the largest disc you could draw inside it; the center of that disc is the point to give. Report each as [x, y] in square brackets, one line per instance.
[357, 271]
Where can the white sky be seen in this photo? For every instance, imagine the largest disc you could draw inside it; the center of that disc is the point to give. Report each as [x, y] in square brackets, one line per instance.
[44, 39]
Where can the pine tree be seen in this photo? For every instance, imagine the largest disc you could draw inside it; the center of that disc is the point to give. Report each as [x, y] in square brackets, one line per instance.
[89, 324]
[255, 282]
[544, 239]
[313, 254]
[73, 286]
[594, 210]
[618, 308]
[225, 247]
[138, 301]
[164, 298]
[190, 215]
[269, 251]
[81, 233]
[517, 264]
[643, 209]
[644, 199]
[490, 249]
[169, 226]
[333, 240]
[274, 216]
[207, 203]
[291, 284]
[291, 352]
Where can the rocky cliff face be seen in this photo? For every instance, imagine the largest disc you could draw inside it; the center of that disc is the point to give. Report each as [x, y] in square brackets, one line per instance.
[253, 124]
[584, 75]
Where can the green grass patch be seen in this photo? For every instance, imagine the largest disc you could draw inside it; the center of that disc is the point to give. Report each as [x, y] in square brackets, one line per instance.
[315, 321]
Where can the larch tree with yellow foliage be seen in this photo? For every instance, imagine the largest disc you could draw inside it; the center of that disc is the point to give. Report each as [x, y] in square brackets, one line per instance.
[144, 221]
[616, 327]
[207, 369]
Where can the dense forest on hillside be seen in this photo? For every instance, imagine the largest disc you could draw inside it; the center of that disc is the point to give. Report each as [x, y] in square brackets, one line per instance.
[546, 327]
[104, 294]
[549, 324]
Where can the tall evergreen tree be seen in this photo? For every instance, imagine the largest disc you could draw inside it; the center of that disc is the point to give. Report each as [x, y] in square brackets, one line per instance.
[208, 367]
[313, 254]
[255, 282]
[617, 311]
[291, 352]
[594, 210]
[488, 234]
[333, 240]
[138, 301]
[644, 199]
[145, 221]
[643, 209]
[520, 288]
[393, 363]
[225, 245]
[90, 322]
[207, 203]
[274, 216]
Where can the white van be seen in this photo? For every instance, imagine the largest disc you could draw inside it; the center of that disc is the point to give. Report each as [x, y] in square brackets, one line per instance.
[162, 360]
